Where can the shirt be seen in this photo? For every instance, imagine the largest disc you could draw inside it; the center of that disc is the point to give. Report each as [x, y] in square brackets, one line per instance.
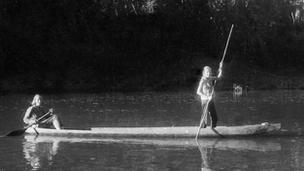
[207, 86]
[37, 112]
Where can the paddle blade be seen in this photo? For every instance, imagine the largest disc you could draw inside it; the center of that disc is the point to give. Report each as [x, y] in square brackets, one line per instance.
[16, 132]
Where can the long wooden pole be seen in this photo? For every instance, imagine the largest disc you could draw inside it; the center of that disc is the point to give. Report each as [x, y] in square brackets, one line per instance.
[220, 67]
[227, 43]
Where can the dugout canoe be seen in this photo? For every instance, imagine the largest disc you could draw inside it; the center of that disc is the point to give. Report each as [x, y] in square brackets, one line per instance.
[238, 144]
[182, 132]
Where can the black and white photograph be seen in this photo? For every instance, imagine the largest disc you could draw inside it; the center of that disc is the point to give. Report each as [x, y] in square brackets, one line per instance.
[151, 85]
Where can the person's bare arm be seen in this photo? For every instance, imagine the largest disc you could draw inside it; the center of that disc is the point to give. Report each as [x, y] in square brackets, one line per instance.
[198, 91]
[219, 75]
[26, 118]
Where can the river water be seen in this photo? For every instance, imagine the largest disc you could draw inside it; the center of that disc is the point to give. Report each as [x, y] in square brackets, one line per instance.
[155, 109]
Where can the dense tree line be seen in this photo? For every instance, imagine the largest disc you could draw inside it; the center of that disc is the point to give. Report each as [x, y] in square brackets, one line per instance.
[139, 44]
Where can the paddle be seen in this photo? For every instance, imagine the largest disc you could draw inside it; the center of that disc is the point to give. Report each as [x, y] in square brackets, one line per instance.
[220, 68]
[22, 131]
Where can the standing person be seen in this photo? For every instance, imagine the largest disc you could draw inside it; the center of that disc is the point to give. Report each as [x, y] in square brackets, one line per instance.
[36, 111]
[205, 91]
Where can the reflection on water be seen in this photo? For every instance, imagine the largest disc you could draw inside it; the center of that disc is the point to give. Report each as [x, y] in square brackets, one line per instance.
[241, 145]
[155, 154]
[205, 154]
[36, 151]
[67, 153]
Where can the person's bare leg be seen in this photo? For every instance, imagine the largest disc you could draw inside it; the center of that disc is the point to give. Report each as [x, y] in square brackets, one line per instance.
[56, 122]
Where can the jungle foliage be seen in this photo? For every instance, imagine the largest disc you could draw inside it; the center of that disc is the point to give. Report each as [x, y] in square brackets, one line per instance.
[140, 44]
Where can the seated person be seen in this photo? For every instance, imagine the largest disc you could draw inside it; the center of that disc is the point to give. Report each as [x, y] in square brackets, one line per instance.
[34, 112]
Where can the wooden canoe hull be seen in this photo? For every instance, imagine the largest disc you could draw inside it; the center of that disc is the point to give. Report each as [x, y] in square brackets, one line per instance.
[240, 144]
[183, 132]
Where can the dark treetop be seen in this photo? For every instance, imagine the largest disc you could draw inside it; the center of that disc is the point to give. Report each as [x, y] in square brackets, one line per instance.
[136, 45]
